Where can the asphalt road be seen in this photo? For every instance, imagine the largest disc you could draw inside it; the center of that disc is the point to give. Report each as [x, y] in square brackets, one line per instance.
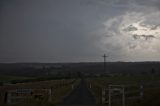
[80, 96]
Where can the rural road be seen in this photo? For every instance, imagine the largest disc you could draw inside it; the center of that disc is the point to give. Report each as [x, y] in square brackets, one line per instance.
[80, 96]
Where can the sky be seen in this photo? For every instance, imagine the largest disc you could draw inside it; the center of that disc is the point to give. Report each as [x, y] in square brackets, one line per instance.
[79, 30]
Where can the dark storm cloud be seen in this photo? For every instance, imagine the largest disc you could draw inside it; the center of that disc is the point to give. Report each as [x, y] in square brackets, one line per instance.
[35, 29]
[145, 37]
[153, 3]
[130, 28]
[60, 30]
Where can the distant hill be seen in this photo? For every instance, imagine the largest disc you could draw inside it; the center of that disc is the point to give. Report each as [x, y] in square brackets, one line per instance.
[41, 69]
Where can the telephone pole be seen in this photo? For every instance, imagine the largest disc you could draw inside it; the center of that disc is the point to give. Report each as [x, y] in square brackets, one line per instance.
[104, 56]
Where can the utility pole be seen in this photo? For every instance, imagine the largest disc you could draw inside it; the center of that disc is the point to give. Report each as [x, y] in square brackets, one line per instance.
[104, 56]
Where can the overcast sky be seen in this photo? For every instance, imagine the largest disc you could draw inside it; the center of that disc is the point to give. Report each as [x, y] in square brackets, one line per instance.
[79, 30]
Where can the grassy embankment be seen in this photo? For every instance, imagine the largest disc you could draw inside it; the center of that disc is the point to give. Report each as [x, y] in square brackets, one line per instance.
[60, 88]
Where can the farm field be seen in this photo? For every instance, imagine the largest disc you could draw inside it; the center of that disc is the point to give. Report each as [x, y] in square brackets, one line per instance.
[8, 78]
[59, 88]
[151, 89]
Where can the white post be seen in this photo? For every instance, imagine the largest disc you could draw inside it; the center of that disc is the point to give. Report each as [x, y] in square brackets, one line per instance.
[72, 87]
[103, 95]
[90, 86]
[8, 98]
[109, 96]
[141, 91]
[50, 95]
[123, 97]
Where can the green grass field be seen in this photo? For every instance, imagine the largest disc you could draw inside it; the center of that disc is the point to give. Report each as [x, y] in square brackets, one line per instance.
[8, 78]
[61, 88]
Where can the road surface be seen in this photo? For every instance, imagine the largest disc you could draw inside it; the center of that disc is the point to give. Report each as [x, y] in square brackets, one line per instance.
[80, 96]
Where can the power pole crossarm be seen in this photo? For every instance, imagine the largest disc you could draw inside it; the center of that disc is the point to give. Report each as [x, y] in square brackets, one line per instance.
[104, 56]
